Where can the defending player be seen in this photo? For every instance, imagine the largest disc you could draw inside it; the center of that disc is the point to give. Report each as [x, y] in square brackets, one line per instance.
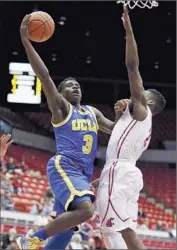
[5, 142]
[121, 181]
[69, 172]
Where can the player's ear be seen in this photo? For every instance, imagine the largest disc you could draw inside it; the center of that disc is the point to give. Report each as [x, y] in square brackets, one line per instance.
[151, 102]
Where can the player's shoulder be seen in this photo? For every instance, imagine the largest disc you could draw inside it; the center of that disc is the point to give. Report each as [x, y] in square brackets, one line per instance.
[97, 112]
[142, 114]
[149, 113]
[92, 109]
[64, 121]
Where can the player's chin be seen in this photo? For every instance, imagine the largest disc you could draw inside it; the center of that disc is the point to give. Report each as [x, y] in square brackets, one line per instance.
[75, 99]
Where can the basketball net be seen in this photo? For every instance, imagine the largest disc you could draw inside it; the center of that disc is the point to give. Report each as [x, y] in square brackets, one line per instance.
[141, 4]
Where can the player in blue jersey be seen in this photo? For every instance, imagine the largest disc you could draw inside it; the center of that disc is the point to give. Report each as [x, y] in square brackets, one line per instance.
[70, 170]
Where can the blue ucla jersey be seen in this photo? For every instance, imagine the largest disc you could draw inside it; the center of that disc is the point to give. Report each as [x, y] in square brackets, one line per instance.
[76, 138]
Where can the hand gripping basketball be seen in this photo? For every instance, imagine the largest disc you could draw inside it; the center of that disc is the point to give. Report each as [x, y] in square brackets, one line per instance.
[38, 27]
[24, 28]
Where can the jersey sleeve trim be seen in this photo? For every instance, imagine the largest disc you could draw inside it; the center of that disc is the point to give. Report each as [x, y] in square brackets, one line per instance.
[66, 119]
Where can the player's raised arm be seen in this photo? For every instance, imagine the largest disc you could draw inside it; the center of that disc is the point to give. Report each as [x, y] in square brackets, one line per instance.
[132, 64]
[54, 99]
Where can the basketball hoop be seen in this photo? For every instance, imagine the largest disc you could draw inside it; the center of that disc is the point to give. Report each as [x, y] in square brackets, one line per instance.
[141, 4]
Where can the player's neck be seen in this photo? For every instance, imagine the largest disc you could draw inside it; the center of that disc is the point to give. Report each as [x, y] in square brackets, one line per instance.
[78, 106]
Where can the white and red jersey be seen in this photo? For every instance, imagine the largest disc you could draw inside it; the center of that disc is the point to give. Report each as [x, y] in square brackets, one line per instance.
[121, 181]
[129, 138]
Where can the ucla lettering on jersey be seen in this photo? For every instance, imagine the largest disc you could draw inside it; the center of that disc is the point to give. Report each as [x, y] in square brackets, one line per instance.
[76, 137]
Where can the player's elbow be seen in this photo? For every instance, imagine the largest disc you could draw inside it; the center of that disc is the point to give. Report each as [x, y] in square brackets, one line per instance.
[132, 65]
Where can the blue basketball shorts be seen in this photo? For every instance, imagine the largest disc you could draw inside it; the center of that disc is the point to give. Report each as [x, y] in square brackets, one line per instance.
[69, 184]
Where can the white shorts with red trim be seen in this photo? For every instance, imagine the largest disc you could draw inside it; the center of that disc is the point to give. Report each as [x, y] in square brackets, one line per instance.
[118, 194]
[114, 240]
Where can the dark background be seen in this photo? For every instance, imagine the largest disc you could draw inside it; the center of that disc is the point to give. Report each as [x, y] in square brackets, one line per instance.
[94, 29]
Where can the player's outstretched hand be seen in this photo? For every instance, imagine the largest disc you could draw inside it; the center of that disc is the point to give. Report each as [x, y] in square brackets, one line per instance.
[5, 142]
[126, 20]
[24, 28]
[121, 105]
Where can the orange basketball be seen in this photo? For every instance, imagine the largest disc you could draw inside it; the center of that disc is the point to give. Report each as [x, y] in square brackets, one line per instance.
[41, 26]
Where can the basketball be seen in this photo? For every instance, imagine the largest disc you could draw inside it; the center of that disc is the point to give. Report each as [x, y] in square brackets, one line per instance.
[41, 26]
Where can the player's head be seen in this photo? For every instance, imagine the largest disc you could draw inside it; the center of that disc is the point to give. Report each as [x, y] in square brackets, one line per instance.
[71, 90]
[155, 101]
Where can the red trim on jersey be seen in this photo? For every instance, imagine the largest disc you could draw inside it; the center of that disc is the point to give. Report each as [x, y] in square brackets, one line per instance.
[112, 168]
[123, 133]
[148, 138]
[118, 153]
[109, 193]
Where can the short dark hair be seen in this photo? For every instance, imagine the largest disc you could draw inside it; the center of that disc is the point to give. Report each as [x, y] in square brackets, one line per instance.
[60, 86]
[160, 101]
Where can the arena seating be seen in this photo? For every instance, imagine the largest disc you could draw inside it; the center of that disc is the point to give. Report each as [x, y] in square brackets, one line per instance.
[163, 189]
[160, 183]
[154, 214]
[159, 244]
[34, 191]
[43, 119]
[36, 188]
[16, 119]
[19, 120]
[34, 158]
